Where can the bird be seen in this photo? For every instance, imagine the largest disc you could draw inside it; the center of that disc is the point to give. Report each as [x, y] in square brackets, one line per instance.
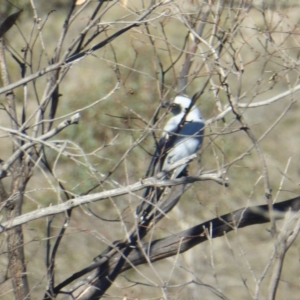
[183, 133]
[182, 136]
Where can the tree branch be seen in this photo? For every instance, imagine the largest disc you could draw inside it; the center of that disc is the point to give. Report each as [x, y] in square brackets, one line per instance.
[59, 208]
[174, 244]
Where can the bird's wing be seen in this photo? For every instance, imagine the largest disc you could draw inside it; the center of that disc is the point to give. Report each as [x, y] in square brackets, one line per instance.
[164, 144]
[187, 141]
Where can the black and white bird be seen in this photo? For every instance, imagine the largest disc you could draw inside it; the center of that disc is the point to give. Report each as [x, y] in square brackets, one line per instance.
[182, 136]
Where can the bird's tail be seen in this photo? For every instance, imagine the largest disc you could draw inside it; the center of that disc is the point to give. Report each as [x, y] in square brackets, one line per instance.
[151, 198]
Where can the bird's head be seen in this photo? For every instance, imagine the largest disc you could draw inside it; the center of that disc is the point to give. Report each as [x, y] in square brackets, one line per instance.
[181, 104]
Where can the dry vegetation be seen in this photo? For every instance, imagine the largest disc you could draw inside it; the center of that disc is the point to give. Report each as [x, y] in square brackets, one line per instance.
[243, 56]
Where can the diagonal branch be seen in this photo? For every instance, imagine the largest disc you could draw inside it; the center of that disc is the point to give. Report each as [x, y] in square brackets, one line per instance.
[191, 237]
[32, 141]
[173, 245]
[62, 62]
[151, 181]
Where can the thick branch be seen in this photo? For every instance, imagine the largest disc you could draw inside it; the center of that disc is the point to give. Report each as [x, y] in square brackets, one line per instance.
[185, 240]
[174, 244]
[15, 244]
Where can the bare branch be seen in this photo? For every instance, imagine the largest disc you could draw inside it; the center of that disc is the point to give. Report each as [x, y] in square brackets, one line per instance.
[33, 141]
[176, 243]
[152, 181]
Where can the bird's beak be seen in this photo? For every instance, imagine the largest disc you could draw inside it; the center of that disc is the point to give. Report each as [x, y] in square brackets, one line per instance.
[166, 104]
